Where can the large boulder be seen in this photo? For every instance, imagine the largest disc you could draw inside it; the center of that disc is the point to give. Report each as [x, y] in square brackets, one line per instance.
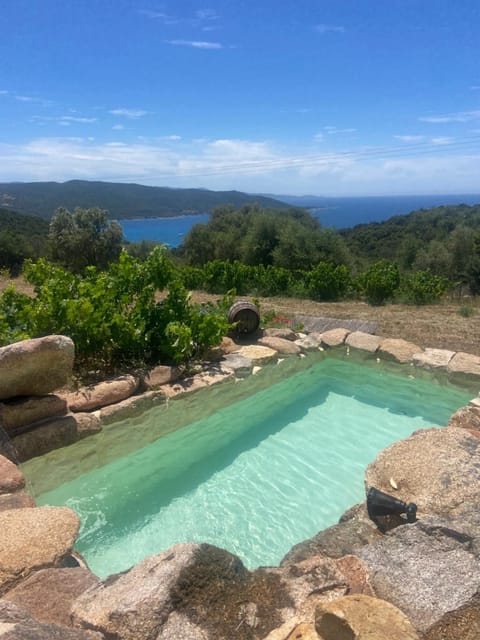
[34, 539]
[433, 359]
[48, 594]
[398, 350]
[359, 617]
[11, 478]
[162, 374]
[334, 337]
[17, 624]
[438, 469]
[286, 334]
[35, 367]
[104, 393]
[466, 418]
[240, 365]
[19, 412]
[428, 569]
[258, 354]
[363, 341]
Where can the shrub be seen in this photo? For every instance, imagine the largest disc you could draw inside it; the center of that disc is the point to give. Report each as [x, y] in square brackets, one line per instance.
[380, 282]
[328, 281]
[422, 287]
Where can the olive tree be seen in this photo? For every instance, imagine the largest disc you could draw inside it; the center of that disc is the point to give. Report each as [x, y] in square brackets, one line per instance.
[84, 238]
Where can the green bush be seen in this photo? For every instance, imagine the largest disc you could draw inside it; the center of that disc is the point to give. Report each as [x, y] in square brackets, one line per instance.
[328, 281]
[422, 287]
[380, 282]
[114, 317]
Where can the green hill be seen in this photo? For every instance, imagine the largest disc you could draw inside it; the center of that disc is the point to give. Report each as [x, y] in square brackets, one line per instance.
[121, 200]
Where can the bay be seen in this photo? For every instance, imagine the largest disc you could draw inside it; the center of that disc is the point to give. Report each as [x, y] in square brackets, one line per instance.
[339, 213]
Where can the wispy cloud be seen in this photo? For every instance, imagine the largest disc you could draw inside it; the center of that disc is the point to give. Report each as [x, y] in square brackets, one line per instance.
[460, 116]
[118, 127]
[196, 44]
[159, 15]
[70, 119]
[334, 130]
[410, 138]
[475, 87]
[133, 114]
[442, 140]
[329, 28]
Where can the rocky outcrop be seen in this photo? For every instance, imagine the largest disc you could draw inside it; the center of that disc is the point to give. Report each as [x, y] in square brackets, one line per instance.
[48, 594]
[358, 617]
[363, 341]
[11, 478]
[19, 412]
[435, 468]
[35, 367]
[102, 394]
[428, 569]
[34, 539]
[398, 350]
[17, 624]
[281, 345]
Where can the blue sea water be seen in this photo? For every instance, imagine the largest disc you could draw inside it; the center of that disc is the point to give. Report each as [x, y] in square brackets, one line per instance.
[339, 213]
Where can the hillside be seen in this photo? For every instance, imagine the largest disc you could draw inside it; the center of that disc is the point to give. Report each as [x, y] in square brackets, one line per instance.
[402, 238]
[121, 200]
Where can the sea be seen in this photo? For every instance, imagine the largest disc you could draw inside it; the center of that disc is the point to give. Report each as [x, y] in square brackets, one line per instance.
[339, 213]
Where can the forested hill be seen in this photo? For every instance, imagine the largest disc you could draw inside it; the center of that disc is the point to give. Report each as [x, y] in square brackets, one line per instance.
[426, 235]
[121, 200]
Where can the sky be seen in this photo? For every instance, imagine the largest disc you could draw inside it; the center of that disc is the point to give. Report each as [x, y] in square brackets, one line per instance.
[323, 97]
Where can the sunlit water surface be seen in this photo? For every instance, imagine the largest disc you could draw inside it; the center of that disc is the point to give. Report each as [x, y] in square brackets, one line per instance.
[255, 477]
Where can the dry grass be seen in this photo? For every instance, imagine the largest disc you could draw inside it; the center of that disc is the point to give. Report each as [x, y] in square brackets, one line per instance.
[439, 326]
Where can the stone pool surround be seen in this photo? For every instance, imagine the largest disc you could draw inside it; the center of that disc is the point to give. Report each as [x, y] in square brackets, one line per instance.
[322, 586]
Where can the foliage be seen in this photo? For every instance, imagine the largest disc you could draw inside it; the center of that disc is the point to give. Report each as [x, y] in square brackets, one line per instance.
[290, 239]
[20, 237]
[328, 282]
[84, 238]
[115, 317]
[380, 282]
[466, 311]
[422, 287]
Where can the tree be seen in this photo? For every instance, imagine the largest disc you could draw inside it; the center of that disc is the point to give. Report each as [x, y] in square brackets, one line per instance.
[84, 238]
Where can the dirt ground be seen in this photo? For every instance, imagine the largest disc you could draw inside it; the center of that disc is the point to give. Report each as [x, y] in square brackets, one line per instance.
[444, 326]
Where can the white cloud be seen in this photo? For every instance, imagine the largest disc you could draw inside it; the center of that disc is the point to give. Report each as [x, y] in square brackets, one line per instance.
[70, 119]
[118, 127]
[206, 14]
[196, 44]
[334, 130]
[329, 28]
[173, 137]
[129, 113]
[319, 137]
[460, 116]
[410, 138]
[248, 165]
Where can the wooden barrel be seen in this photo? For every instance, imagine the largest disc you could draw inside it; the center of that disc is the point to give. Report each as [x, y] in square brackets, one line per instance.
[245, 315]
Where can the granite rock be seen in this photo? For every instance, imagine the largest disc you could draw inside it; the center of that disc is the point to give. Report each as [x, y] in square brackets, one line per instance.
[18, 500]
[35, 367]
[464, 365]
[11, 478]
[433, 358]
[281, 345]
[23, 411]
[34, 539]
[334, 337]
[398, 350]
[104, 393]
[363, 341]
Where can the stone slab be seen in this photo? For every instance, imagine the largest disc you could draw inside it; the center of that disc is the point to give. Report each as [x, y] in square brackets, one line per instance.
[363, 341]
[398, 350]
[433, 358]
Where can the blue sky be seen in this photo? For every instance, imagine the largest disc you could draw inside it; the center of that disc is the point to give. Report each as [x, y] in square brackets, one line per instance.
[345, 97]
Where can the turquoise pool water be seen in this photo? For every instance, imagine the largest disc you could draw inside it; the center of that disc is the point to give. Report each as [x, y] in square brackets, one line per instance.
[257, 476]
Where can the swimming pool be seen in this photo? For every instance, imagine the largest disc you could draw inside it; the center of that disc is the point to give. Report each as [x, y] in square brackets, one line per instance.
[254, 477]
